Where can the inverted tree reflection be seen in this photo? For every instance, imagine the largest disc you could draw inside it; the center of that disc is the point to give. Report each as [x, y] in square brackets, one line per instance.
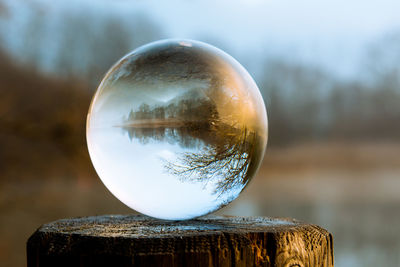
[228, 162]
[221, 155]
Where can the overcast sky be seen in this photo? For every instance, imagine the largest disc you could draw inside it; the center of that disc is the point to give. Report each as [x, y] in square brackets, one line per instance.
[332, 33]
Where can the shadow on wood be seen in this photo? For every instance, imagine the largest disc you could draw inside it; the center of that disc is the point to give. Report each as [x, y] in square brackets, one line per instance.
[135, 240]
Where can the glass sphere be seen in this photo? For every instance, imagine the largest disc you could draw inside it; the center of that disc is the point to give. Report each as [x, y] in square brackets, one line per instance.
[177, 129]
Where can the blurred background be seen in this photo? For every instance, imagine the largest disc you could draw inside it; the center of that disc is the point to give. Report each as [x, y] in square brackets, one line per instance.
[329, 72]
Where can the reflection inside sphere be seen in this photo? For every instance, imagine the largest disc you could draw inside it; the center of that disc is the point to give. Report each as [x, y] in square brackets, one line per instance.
[177, 129]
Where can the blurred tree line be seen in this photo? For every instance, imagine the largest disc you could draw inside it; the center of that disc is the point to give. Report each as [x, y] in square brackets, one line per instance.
[307, 104]
[44, 97]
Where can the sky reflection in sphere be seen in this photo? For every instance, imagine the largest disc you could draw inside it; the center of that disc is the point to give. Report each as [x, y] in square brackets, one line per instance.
[177, 129]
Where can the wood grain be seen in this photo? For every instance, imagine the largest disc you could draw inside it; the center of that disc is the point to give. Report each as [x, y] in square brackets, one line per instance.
[135, 240]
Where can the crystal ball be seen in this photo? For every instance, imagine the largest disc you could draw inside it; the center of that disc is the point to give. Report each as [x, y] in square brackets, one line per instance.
[177, 129]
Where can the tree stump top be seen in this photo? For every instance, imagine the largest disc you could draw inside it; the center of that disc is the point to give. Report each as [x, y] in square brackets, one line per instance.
[135, 240]
[140, 226]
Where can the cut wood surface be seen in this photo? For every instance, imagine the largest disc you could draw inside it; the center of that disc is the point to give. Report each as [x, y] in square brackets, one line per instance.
[135, 240]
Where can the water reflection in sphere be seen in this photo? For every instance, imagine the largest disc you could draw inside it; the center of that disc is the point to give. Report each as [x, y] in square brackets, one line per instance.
[177, 129]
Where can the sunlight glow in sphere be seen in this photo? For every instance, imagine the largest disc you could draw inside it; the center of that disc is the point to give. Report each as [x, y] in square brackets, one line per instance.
[177, 129]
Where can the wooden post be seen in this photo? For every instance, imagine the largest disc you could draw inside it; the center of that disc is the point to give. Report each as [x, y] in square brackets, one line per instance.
[136, 240]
